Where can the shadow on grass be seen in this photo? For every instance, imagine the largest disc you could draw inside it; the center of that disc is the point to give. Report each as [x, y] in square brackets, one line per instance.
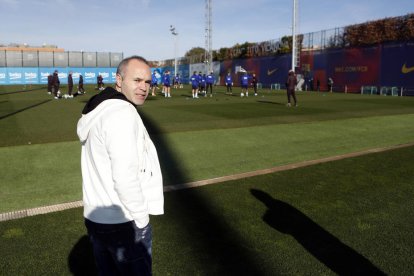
[328, 249]
[269, 102]
[81, 260]
[22, 91]
[220, 244]
[24, 109]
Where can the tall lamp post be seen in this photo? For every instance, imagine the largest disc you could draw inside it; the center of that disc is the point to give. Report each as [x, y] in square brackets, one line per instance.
[295, 53]
[175, 34]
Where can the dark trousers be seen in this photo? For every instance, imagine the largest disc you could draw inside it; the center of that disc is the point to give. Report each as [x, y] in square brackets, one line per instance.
[228, 87]
[210, 85]
[121, 249]
[291, 93]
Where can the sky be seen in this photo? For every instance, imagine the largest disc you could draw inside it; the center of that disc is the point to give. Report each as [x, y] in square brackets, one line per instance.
[142, 27]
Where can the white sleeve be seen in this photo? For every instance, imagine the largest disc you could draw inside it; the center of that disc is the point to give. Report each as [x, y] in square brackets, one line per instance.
[121, 140]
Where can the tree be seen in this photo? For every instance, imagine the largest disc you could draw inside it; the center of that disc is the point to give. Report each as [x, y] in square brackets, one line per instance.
[195, 55]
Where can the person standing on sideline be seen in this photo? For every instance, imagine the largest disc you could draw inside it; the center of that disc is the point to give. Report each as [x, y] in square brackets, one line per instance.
[122, 180]
[290, 86]
[56, 84]
[176, 81]
[80, 85]
[180, 83]
[330, 84]
[70, 84]
[254, 83]
[154, 83]
[229, 83]
[49, 84]
[244, 82]
[200, 78]
[167, 84]
[210, 80]
[194, 85]
[203, 85]
[100, 83]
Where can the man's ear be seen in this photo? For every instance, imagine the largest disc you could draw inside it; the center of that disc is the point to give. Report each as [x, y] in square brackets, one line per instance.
[118, 80]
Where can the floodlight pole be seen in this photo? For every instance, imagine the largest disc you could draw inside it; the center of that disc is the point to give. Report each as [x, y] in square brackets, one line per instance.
[208, 54]
[294, 48]
[175, 34]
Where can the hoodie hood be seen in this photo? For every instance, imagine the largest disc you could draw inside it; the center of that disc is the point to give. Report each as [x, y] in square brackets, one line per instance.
[95, 108]
[107, 94]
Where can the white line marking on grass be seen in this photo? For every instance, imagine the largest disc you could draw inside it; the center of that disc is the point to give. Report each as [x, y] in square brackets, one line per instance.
[194, 184]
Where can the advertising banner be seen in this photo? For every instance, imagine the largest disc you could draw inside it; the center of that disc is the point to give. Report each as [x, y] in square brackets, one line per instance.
[397, 65]
[15, 75]
[39, 75]
[44, 72]
[31, 75]
[90, 75]
[3, 76]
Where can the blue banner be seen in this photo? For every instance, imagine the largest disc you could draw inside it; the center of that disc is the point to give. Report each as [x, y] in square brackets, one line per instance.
[3, 76]
[39, 75]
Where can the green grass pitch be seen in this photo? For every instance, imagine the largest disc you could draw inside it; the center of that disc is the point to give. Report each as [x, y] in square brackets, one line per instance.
[344, 217]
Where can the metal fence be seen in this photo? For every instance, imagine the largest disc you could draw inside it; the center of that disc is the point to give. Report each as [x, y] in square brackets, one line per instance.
[22, 58]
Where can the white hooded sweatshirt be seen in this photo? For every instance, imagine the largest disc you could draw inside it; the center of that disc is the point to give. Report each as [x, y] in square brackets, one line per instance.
[122, 179]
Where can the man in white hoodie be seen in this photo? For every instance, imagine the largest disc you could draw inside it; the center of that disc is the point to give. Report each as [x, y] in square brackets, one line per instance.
[122, 180]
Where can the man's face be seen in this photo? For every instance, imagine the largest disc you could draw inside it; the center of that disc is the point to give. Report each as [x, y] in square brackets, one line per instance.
[135, 82]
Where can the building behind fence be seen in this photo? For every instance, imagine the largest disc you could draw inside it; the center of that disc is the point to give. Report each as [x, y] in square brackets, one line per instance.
[21, 64]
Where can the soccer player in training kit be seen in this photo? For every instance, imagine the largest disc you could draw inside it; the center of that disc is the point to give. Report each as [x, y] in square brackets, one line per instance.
[244, 85]
[229, 83]
[167, 84]
[194, 85]
[177, 81]
[70, 84]
[199, 78]
[210, 81]
[291, 83]
[154, 83]
[254, 83]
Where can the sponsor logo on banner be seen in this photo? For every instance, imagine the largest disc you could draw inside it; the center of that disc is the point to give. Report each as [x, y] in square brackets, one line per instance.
[43, 75]
[90, 75]
[270, 72]
[62, 75]
[2, 78]
[104, 75]
[406, 70]
[75, 75]
[30, 76]
[15, 76]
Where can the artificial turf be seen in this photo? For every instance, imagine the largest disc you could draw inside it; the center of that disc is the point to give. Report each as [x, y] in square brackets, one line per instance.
[348, 217]
[323, 219]
[196, 138]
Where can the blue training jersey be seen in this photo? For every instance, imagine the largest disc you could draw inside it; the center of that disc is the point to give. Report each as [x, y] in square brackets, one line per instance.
[167, 79]
[194, 80]
[154, 79]
[245, 80]
[228, 79]
[210, 79]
